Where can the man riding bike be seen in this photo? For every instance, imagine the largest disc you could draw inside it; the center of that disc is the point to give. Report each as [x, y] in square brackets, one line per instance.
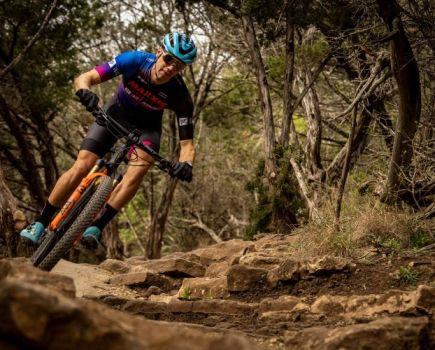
[150, 84]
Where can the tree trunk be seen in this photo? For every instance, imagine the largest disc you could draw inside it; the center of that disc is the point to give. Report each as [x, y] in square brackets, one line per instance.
[8, 236]
[407, 76]
[158, 223]
[114, 246]
[359, 142]
[287, 120]
[313, 118]
[345, 170]
[155, 238]
[266, 104]
[26, 164]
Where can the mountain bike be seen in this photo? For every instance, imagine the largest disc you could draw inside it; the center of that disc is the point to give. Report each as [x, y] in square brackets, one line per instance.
[66, 229]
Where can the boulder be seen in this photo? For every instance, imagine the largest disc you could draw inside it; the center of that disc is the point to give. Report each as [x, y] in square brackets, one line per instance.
[217, 269]
[391, 302]
[294, 270]
[262, 260]
[398, 333]
[203, 288]
[224, 307]
[144, 279]
[19, 269]
[32, 316]
[227, 250]
[115, 266]
[243, 278]
[173, 267]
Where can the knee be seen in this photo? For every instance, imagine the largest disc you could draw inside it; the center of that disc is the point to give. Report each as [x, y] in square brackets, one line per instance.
[81, 169]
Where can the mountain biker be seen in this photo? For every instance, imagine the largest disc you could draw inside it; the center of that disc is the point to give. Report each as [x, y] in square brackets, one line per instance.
[150, 84]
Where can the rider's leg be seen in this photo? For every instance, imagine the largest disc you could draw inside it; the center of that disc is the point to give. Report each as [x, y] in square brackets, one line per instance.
[71, 179]
[62, 190]
[97, 142]
[95, 145]
[121, 195]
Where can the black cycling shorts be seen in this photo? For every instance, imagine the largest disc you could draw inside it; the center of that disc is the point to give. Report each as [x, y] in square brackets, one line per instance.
[100, 140]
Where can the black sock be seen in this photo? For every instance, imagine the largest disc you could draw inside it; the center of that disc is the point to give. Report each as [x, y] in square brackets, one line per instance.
[47, 213]
[106, 214]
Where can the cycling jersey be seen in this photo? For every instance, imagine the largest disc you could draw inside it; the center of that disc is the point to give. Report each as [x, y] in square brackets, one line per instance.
[146, 101]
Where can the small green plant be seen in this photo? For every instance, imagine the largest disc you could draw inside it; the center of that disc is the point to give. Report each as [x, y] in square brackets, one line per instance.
[408, 275]
[420, 239]
[186, 293]
[392, 245]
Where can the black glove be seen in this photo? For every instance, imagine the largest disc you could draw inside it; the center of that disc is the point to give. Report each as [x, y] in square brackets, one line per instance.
[88, 99]
[182, 171]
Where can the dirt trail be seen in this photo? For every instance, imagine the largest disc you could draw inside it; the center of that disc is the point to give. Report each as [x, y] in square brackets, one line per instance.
[91, 281]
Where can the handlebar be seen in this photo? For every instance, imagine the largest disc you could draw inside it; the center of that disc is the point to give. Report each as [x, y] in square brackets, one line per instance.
[133, 138]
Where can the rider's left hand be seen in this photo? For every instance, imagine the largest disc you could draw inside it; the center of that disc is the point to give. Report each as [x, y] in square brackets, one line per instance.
[182, 171]
[88, 99]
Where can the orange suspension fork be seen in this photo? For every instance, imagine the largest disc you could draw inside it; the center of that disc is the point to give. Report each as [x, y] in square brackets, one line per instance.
[72, 200]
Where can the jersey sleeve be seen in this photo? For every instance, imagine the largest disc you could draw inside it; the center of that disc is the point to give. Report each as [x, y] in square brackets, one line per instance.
[127, 64]
[184, 112]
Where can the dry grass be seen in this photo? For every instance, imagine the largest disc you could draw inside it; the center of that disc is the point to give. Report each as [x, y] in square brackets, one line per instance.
[366, 225]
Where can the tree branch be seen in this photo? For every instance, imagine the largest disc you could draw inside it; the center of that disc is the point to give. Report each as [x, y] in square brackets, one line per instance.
[20, 56]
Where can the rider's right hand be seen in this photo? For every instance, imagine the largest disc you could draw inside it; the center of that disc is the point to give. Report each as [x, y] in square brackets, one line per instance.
[88, 99]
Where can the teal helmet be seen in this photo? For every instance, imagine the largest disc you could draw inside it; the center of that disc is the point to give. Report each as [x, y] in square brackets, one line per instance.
[180, 46]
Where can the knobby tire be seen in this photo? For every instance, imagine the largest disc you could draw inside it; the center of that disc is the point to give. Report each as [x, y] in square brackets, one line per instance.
[50, 239]
[84, 219]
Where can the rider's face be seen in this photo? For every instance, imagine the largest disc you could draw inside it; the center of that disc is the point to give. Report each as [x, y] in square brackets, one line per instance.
[165, 68]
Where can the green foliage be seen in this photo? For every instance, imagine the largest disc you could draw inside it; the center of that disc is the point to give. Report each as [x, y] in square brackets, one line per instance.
[420, 239]
[392, 245]
[279, 205]
[47, 69]
[408, 275]
[314, 50]
[186, 293]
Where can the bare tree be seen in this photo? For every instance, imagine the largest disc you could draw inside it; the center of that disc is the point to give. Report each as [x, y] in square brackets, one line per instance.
[407, 76]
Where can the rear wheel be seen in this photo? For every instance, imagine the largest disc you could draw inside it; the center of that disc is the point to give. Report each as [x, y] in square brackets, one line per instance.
[84, 219]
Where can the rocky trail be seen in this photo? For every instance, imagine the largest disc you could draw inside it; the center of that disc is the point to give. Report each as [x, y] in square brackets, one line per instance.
[235, 294]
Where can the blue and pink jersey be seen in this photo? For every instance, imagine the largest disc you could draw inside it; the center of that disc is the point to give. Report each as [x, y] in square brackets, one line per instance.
[147, 100]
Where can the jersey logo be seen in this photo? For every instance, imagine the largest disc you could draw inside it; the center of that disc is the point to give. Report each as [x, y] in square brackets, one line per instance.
[113, 66]
[183, 121]
[112, 63]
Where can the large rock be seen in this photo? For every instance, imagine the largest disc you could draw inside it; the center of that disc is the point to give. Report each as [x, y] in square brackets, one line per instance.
[203, 288]
[392, 302]
[20, 270]
[115, 266]
[294, 270]
[91, 280]
[217, 269]
[275, 243]
[173, 267]
[228, 250]
[263, 260]
[32, 316]
[145, 279]
[389, 333]
[243, 278]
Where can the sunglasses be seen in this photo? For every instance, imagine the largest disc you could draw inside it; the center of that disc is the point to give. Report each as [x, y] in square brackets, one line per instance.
[172, 61]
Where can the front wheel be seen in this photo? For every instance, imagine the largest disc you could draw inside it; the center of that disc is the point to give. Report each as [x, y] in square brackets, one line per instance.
[85, 218]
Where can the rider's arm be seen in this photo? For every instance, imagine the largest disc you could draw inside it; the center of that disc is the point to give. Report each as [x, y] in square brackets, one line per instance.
[187, 151]
[86, 80]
